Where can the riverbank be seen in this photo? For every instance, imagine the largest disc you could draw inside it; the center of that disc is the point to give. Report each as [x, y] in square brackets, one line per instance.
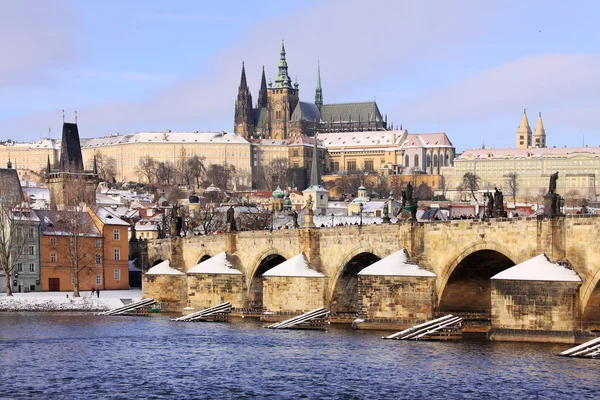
[64, 301]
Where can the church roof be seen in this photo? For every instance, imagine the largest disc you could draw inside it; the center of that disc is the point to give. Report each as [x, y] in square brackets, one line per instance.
[10, 186]
[343, 112]
[260, 116]
[306, 112]
[524, 125]
[363, 139]
[530, 152]
[70, 152]
[427, 140]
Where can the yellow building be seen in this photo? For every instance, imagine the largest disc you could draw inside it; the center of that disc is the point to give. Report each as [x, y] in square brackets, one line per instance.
[29, 159]
[577, 167]
[390, 152]
[215, 147]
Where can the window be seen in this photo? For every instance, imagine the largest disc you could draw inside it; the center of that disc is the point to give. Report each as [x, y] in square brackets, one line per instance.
[31, 267]
[31, 250]
[416, 161]
[117, 254]
[116, 234]
[295, 153]
[19, 232]
[20, 267]
[369, 165]
[53, 257]
[351, 165]
[52, 241]
[98, 243]
[407, 161]
[31, 233]
[98, 259]
[117, 274]
[98, 279]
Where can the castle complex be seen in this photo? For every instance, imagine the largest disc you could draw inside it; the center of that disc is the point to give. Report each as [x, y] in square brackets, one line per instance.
[279, 113]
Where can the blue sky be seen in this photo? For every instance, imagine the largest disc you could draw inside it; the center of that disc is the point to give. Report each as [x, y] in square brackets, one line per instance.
[468, 68]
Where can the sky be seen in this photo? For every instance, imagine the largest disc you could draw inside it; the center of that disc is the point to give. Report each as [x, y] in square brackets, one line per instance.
[467, 68]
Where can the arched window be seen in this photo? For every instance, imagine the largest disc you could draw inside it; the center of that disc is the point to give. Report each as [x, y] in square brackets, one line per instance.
[447, 159]
[416, 161]
[428, 161]
[435, 161]
[406, 161]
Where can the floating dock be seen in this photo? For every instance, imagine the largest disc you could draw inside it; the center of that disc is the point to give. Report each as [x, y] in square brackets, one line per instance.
[315, 319]
[142, 305]
[447, 327]
[589, 349]
[218, 313]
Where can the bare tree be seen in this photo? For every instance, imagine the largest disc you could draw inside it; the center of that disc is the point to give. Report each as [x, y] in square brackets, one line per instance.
[423, 192]
[12, 237]
[165, 173]
[254, 218]
[107, 167]
[196, 168]
[471, 182]
[512, 180]
[444, 184]
[220, 175]
[573, 198]
[206, 219]
[147, 168]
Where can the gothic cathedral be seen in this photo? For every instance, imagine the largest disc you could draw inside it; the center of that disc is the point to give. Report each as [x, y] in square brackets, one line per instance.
[279, 113]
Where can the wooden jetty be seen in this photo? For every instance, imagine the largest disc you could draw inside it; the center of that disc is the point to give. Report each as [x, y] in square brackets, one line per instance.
[315, 319]
[447, 327]
[139, 308]
[590, 349]
[218, 313]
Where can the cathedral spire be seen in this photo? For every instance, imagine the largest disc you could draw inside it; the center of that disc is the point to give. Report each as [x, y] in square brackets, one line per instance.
[524, 132]
[319, 90]
[243, 84]
[315, 177]
[48, 170]
[283, 80]
[262, 93]
[539, 136]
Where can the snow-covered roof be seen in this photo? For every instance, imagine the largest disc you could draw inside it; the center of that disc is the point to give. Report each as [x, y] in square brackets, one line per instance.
[363, 139]
[295, 266]
[395, 264]
[538, 268]
[215, 265]
[163, 268]
[163, 137]
[37, 193]
[108, 218]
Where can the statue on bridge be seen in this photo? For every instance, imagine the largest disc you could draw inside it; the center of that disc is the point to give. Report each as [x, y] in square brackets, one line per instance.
[176, 223]
[230, 222]
[295, 219]
[498, 203]
[552, 201]
[309, 205]
[490, 204]
[553, 179]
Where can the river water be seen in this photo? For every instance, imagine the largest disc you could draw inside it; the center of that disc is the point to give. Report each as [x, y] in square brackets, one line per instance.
[70, 356]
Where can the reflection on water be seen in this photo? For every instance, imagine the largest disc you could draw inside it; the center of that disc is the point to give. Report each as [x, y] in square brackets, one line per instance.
[85, 356]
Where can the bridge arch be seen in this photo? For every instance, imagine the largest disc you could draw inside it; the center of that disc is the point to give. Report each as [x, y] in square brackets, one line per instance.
[343, 283]
[590, 302]
[264, 262]
[203, 258]
[464, 286]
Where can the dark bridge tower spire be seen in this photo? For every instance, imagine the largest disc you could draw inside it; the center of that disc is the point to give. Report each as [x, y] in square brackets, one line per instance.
[319, 90]
[243, 121]
[262, 93]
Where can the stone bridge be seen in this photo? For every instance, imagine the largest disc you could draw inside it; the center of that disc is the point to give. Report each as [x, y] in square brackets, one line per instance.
[463, 254]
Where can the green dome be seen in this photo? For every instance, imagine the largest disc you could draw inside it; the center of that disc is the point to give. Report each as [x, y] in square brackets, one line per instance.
[278, 193]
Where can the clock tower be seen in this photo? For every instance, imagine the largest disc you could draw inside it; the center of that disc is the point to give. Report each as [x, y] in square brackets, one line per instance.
[282, 99]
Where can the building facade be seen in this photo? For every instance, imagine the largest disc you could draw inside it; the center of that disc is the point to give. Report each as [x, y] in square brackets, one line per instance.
[388, 152]
[26, 255]
[30, 159]
[175, 147]
[279, 113]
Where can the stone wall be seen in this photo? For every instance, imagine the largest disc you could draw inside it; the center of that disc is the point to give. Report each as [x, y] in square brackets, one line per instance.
[535, 305]
[405, 300]
[208, 290]
[293, 294]
[169, 290]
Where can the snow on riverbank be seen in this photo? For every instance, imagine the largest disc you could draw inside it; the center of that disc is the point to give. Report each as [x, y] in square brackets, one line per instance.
[58, 301]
